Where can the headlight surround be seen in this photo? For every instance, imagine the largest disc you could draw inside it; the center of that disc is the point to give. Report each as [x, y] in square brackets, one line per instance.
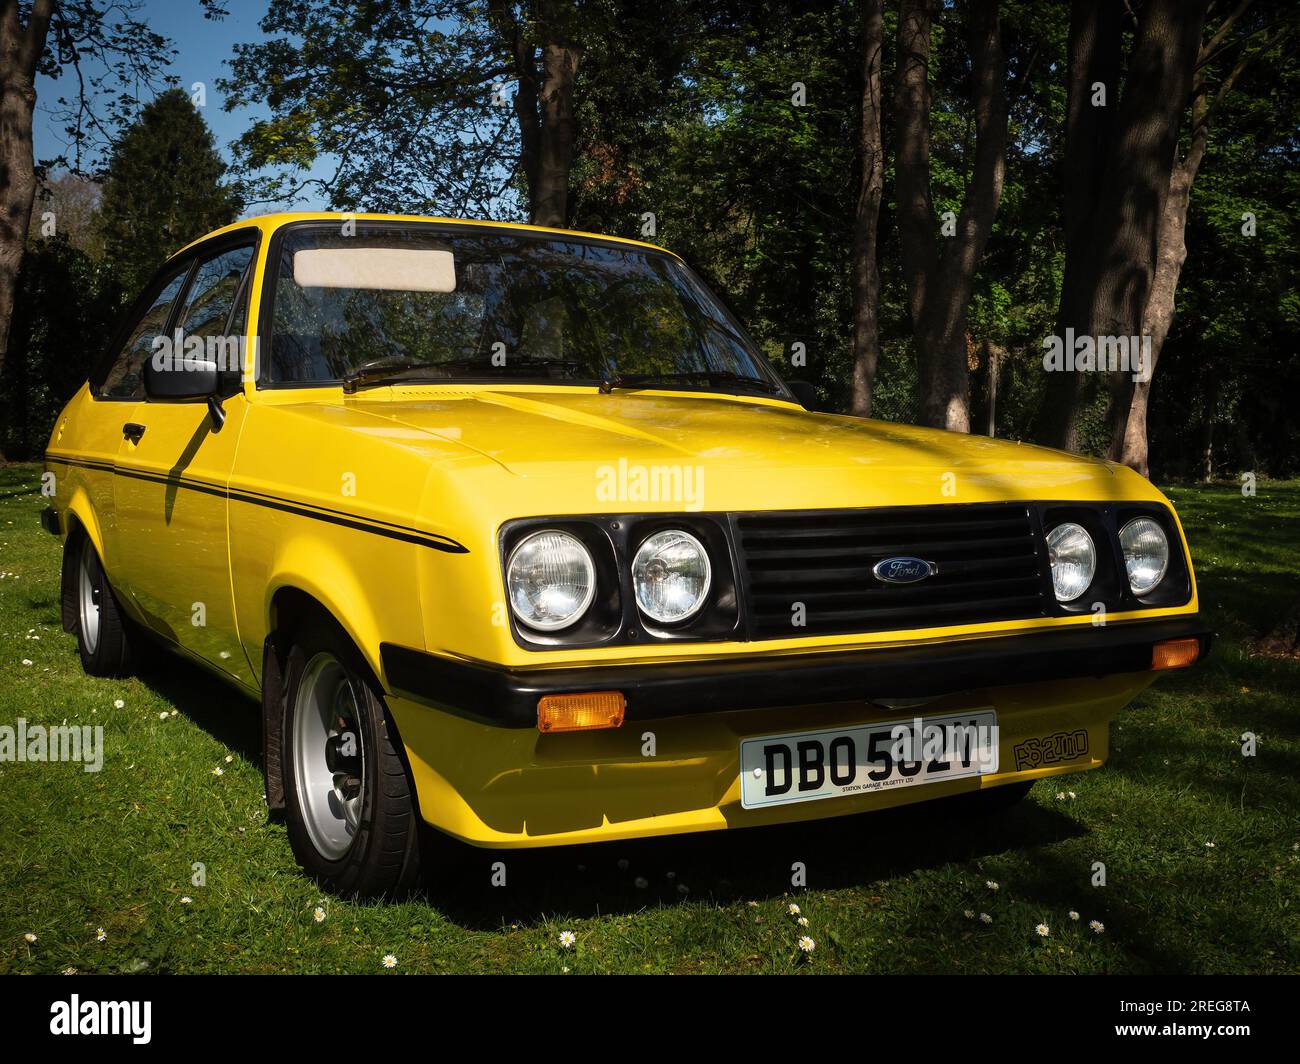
[1146, 554]
[1073, 557]
[550, 579]
[671, 576]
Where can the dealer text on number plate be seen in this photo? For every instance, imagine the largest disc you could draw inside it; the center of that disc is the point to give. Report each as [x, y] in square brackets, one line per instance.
[807, 766]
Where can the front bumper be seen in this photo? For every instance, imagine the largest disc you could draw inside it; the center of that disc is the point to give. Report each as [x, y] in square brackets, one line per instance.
[507, 698]
[484, 774]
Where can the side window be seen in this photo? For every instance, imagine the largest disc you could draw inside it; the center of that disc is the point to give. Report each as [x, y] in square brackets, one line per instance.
[214, 309]
[125, 378]
[212, 294]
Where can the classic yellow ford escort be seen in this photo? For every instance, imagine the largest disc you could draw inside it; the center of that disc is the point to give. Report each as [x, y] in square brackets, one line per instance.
[515, 533]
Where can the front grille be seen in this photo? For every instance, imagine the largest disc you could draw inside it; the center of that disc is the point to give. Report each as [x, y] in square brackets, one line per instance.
[991, 567]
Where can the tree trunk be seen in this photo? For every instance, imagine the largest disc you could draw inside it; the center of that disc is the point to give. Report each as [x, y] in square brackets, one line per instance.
[20, 50]
[940, 283]
[866, 221]
[1093, 57]
[1130, 444]
[550, 195]
[543, 106]
[1111, 265]
[1171, 252]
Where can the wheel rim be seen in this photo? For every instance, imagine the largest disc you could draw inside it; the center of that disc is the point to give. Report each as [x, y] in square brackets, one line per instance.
[88, 597]
[328, 757]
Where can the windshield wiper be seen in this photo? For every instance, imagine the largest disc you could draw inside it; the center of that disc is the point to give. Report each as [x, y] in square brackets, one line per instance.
[712, 377]
[379, 369]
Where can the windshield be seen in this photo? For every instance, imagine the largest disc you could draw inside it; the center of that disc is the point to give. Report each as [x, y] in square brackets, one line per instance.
[420, 303]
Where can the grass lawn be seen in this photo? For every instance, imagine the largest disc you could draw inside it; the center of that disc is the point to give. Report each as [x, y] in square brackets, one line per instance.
[1201, 845]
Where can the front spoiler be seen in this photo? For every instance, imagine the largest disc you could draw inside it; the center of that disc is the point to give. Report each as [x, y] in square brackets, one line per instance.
[507, 698]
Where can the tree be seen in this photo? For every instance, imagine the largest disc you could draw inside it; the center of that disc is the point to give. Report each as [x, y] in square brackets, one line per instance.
[67, 204]
[1119, 161]
[162, 189]
[1260, 36]
[66, 304]
[866, 217]
[49, 37]
[414, 100]
[940, 282]
[21, 49]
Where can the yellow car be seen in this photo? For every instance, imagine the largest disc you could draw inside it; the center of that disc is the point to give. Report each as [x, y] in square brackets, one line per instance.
[514, 532]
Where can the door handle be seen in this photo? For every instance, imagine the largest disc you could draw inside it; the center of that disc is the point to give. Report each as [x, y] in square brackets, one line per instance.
[133, 431]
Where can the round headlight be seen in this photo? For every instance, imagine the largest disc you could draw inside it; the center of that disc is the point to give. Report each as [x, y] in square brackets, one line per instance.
[1073, 558]
[551, 580]
[1146, 553]
[671, 575]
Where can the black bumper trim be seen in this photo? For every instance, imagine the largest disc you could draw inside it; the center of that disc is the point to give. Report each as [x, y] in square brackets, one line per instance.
[50, 521]
[507, 698]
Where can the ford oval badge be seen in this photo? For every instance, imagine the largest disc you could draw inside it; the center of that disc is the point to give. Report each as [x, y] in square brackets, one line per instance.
[903, 570]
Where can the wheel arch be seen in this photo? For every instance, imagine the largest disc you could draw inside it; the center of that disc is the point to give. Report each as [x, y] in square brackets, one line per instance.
[289, 607]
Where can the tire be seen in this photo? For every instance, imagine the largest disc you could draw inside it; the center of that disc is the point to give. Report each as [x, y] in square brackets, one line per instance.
[350, 807]
[99, 624]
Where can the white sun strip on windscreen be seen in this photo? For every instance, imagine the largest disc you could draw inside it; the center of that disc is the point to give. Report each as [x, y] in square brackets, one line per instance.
[378, 269]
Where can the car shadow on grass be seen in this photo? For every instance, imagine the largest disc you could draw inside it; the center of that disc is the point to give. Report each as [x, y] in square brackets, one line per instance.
[219, 708]
[724, 867]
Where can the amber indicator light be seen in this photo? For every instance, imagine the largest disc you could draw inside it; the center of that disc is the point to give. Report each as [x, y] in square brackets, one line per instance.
[581, 712]
[1175, 653]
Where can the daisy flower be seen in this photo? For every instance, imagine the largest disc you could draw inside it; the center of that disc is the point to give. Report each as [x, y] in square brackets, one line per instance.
[186, 900]
[118, 704]
[793, 909]
[101, 935]
[1073, 915]
[802, 921]
[29, 937]
[1097, 926]
[641, 882]
[318, 915]
[969, 914]
[218, 771]
[985, 918]
[807, 944]
[992, 885]
[567, 939]
[1043, 930]
[389, 961]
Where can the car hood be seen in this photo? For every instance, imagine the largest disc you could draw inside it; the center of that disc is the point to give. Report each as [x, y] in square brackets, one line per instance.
[754, 453]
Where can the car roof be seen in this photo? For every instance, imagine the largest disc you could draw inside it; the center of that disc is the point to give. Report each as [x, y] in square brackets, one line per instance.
[268, 223]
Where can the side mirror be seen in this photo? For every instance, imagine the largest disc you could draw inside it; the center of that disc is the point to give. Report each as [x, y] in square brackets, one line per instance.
[180, 377]
[804, 392]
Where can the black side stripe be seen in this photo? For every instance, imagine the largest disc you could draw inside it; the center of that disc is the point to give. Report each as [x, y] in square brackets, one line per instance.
[253, 498]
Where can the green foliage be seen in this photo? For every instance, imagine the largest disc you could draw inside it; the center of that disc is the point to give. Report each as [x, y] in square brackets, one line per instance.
[163, 189]
[1224, 394]
[65, 304]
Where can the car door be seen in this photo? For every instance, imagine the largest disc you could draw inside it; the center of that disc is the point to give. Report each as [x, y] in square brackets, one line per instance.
[85, 447]
[174, 468]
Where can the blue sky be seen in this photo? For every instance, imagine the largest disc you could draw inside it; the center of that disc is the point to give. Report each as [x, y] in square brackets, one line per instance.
[203, 46]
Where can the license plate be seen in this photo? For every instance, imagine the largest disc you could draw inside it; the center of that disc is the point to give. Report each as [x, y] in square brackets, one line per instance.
[810, 766]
